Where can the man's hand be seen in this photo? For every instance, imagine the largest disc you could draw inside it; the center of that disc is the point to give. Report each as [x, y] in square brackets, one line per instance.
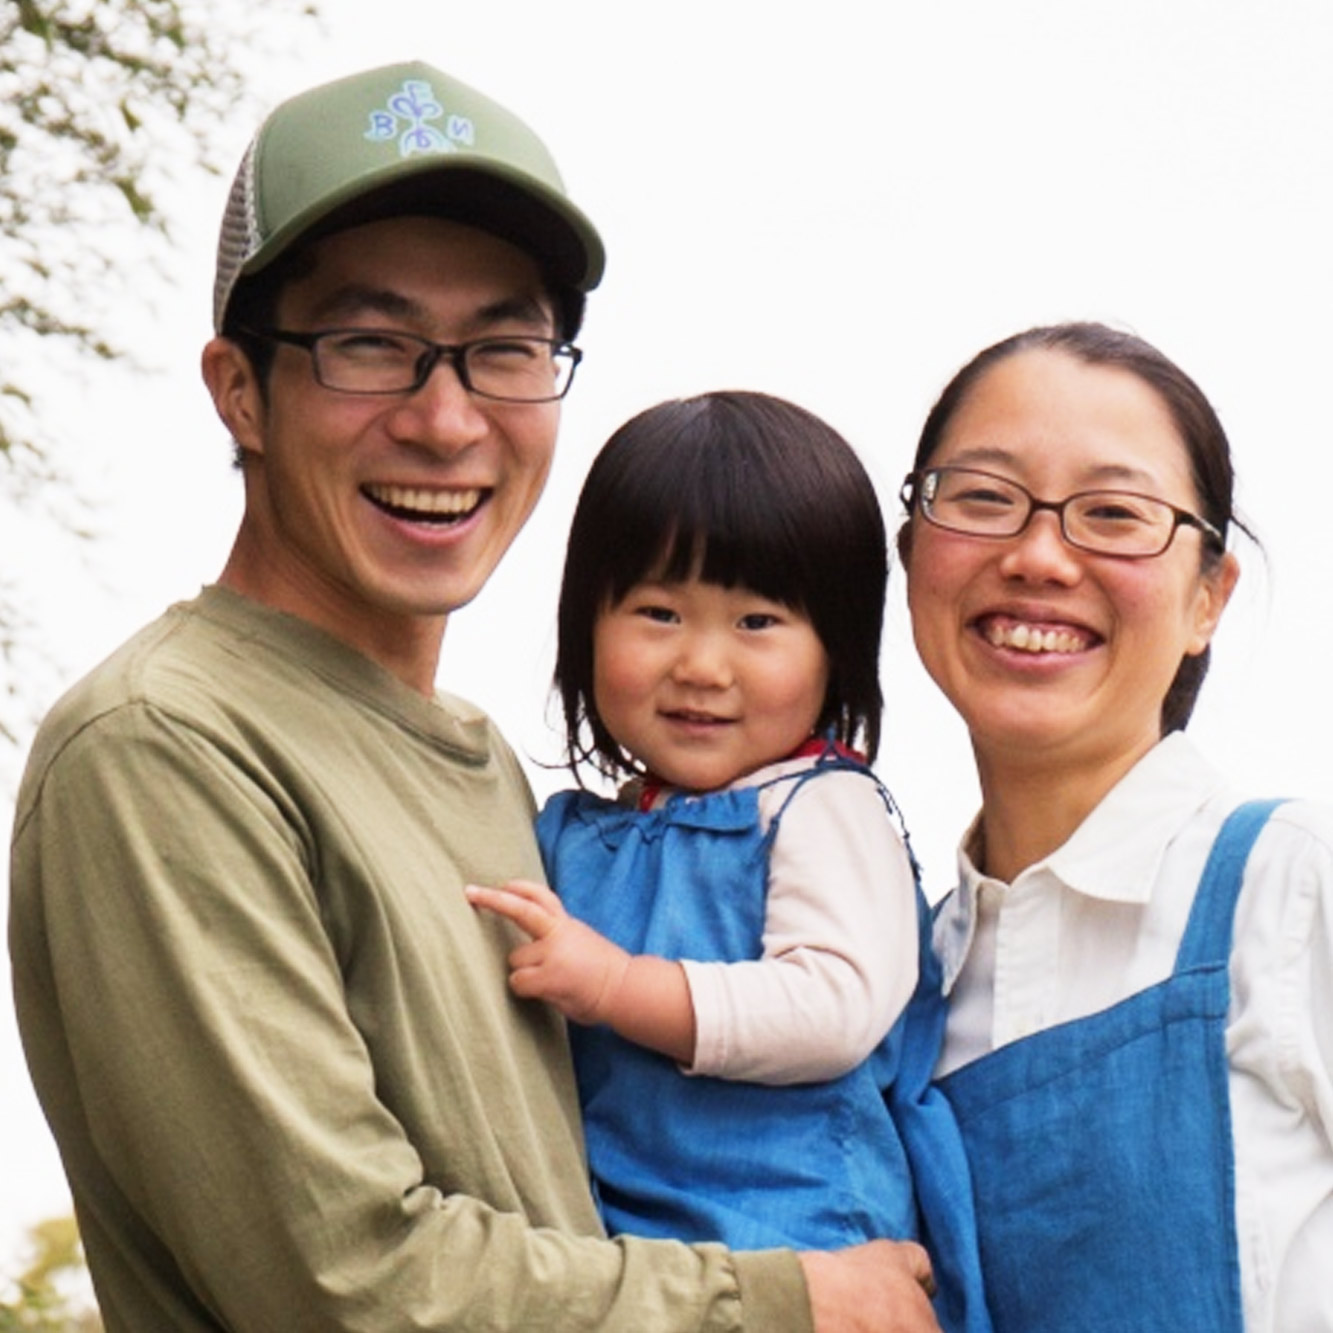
[882, 1287]
[565, 963]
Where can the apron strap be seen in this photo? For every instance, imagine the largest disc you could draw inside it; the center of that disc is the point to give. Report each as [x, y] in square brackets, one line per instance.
[1207, 938]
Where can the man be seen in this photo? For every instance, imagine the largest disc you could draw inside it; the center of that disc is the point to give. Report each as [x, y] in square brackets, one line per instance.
[273, 1039]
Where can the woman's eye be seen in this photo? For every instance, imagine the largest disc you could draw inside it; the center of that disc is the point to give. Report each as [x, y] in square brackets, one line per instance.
[979, 497]
[1117, 510]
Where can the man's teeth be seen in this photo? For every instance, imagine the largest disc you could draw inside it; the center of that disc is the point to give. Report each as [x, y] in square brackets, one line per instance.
[1030, 639]
[417, 500]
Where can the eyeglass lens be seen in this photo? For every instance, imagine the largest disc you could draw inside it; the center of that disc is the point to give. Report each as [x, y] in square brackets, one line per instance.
[1113, 522]
[512, 369]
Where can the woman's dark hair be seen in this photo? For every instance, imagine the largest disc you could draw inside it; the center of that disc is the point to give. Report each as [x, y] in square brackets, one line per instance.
[1200, 431]
[741, 490]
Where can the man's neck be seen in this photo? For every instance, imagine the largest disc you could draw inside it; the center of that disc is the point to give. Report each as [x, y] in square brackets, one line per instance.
[407, 647]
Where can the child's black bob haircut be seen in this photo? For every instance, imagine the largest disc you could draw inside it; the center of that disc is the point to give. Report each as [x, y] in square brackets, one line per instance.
[742, 490]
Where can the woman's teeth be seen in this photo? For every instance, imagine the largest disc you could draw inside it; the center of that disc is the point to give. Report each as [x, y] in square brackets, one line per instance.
[1030, 639]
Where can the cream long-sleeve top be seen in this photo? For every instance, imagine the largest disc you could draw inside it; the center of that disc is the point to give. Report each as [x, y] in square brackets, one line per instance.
[839, 956]
[1102, 917]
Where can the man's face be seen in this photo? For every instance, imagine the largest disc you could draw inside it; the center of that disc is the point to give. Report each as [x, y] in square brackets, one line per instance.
[376, 516]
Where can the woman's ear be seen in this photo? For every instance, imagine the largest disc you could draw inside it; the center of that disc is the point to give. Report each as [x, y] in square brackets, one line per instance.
[236, 393]
[903, 541]
[1214, 592]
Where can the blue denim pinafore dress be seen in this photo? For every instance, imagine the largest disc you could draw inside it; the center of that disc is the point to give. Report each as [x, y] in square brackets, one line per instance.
[816, 1165]
[1101, 1149]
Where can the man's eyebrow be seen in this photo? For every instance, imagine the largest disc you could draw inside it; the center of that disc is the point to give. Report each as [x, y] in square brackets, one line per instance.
[358, 301]
[519, 309]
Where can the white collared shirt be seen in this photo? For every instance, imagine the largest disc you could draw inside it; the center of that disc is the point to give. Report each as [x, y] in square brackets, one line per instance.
[1102, 917]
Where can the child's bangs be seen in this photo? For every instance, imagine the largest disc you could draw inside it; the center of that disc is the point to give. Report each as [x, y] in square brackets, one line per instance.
[717, 529]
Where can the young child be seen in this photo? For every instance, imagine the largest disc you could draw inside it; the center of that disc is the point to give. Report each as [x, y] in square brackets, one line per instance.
[737, 937]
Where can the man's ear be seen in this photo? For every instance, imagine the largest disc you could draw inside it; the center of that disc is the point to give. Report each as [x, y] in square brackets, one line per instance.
[236, 393]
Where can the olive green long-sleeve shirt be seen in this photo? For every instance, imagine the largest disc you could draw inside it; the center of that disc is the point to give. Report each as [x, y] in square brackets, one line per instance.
[274, 1042]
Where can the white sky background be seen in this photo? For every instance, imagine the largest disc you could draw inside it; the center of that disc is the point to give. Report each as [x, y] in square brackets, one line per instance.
[839, 203]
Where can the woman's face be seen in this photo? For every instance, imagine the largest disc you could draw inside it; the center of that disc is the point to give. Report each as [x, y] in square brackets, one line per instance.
[1049, 652]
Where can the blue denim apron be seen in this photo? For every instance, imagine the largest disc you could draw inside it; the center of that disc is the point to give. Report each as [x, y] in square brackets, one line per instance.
[1101, 1149]
[816, 1165]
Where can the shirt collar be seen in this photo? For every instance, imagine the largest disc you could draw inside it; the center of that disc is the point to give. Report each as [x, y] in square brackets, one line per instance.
[444, 720]
[1113, 855]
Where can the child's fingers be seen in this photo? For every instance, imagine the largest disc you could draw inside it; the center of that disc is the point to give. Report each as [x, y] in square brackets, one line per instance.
[526, 983]
[531, 907]
[534, 893]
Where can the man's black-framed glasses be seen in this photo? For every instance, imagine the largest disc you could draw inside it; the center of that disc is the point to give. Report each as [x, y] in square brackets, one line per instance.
[1116, 523]
[510, 369]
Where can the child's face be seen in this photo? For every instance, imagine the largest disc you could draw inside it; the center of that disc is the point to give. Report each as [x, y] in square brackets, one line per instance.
[704, 684]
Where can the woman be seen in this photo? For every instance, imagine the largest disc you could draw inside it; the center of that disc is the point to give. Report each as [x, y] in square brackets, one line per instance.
[1147, 1099]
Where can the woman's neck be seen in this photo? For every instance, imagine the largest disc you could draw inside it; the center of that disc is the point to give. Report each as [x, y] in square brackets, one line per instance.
[1030, 806]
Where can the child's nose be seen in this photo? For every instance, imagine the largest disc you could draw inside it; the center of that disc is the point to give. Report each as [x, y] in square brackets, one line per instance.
[703, 661]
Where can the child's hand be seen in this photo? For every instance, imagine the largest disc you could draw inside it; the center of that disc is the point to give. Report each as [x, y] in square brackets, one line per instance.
[565, 963]
[589, 979]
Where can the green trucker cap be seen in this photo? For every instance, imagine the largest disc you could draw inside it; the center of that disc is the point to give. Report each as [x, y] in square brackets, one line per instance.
[390, 142]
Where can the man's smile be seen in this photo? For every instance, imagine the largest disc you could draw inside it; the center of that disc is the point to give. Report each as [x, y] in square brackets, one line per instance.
[425, 505]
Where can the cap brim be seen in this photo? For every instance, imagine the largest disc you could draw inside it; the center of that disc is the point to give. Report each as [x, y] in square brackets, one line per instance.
[507, 204]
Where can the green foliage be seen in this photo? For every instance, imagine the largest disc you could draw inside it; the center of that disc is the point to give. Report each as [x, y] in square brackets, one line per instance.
[45, 1300]
[109, 111]
[102, 103]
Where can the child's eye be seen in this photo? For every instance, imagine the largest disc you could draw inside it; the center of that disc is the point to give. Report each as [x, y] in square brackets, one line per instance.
[660, 615]
[757, 620]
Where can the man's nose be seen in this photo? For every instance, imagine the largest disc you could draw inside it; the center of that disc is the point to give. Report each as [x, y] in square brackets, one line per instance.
[442, 413]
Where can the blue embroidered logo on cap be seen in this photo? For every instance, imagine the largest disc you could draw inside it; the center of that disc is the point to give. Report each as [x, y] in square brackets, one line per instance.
[406, 116]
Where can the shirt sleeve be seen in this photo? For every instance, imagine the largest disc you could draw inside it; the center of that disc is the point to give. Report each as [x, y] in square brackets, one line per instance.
[840, 945]
[1307, 1042]
[187, 1026]
[1281, 1021]
[1280, 1048]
